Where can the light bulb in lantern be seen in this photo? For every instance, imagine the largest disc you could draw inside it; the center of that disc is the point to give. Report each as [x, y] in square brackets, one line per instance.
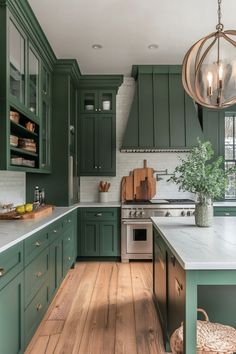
[221, 71]
[210, 80]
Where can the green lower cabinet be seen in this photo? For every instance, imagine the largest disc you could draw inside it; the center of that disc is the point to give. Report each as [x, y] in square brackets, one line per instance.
[68, 249]
[89, 239]
[108, 239]
[55, 266]
[99, 232]
[12, 317]
[35, 311]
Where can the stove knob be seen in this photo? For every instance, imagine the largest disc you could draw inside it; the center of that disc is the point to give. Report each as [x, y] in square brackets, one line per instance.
[142, 213]
[189, 213]
[131, 213]
[168, 213]
[183, 213]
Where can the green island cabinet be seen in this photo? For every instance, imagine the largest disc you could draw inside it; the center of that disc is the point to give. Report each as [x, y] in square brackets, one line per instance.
[173, 291]
[99, 232]
[97, 125]
[62, 184]
[25, 90]
[30, 274]
[224, 211]
[162, 115]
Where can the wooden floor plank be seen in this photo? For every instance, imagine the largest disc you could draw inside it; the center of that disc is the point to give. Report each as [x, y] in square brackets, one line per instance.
[145, 316]
[52, 343]
[101, 308]
[99, 331]
[72, 333]
[125, 322]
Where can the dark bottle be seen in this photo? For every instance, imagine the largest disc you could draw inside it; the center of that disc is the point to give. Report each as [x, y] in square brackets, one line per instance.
[36, 195]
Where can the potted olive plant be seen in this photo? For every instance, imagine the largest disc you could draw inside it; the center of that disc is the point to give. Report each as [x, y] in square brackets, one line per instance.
[199, 174]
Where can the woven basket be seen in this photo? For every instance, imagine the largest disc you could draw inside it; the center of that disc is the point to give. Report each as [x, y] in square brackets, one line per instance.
[212, 338]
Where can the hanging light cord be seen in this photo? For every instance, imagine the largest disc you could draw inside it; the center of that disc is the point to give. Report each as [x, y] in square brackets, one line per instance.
[220, 25]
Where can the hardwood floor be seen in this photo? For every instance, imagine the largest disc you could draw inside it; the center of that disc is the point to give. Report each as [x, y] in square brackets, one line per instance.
[101, 308]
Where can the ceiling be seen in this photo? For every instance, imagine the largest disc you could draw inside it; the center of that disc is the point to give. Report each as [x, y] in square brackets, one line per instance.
[125, 28]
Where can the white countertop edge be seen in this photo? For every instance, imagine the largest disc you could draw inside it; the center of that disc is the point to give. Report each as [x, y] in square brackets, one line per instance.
[112, 204]
[23, 237]
[195, 265]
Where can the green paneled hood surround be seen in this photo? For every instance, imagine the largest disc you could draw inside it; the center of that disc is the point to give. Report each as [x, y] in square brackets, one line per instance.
[163, 118]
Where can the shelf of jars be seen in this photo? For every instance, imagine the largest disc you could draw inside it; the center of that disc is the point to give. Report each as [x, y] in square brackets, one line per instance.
[24, 141]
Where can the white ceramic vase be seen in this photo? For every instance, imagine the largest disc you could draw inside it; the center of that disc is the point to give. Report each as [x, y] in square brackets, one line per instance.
[204, 212]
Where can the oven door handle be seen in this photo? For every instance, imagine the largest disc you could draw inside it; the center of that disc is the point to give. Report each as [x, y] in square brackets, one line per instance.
[135, 222]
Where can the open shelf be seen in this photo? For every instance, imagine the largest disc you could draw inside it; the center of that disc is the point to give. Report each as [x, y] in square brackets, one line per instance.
[21, 130]
[20, 151]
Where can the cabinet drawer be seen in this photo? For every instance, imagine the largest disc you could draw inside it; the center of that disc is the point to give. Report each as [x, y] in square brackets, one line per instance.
[35, 274]
[225, 212]
[11, 263]
[35, 244]
[68, 221]
[35, 312]
[54, 230]
[99, 214]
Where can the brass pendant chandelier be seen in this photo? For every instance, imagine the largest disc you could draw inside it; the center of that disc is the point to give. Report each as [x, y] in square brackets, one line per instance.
[209, 68]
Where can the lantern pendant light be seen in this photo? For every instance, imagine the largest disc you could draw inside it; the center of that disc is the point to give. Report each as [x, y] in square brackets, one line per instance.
[209, 68]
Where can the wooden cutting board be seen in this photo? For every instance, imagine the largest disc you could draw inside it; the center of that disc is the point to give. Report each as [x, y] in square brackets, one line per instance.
[127, 188]
[13, 215]
[146, 190]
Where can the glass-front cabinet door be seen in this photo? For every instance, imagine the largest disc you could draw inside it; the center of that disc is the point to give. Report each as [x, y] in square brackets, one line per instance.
[45, 136]
[17, 63]
[33, 83]
[89, 101]
[107, 101]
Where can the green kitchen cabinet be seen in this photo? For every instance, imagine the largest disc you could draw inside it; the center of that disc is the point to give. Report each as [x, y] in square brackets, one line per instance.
[97, 125]
[99, 232]
[55, 266]
[162, 115]
[12, 316]
[97, 145]
[62, 184]
[224, 211]
[99, 100]
[24, 52]
[45, 155]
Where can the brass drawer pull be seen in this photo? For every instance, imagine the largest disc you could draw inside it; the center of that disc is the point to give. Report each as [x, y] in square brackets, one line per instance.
[37, 244]
[38, 307]
[38, 274]
[227, 214]
[69, 221]
[98, 214]
[2, 272]
[55, 231]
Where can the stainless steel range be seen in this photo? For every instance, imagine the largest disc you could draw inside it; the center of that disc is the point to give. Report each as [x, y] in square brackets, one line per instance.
[136, 226]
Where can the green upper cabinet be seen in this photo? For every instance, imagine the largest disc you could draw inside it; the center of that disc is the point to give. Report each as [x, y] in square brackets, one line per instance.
[162, 115]
[97, 125]
[98, 101]
[97, 145]
[25, 111]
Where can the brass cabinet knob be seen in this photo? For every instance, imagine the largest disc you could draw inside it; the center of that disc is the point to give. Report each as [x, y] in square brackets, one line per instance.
[55, 231]
[68, 238]
[98, 214]
[69, 221]
[96, 109]
[37, 244]
[2, 272]
[38, 307]
[95, 167]
[69, 258]
[38, 274]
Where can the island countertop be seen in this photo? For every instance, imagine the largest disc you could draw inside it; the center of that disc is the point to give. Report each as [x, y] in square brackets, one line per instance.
[14, 231]
[200, 248]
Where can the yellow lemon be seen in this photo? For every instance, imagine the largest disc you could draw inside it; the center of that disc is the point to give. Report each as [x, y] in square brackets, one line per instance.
[28, 207]
[20, 209]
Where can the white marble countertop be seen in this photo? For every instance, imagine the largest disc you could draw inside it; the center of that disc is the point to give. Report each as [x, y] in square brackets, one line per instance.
[199, 247]
[225, 203]
[14, 231]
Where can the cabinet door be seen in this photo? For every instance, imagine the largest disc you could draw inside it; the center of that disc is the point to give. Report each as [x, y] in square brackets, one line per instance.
[109, 242]
[89, 101]
[88, 145]
[107, 101]
[89, 239]
[33, 81]
[55, 266]
[211, 128]
[46, 136]
[176, 294]
[106, 145]
[177, 111]
[12, 315]
[17, 45]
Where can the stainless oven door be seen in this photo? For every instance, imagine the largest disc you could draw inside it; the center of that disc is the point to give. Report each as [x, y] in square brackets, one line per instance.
[138, 236]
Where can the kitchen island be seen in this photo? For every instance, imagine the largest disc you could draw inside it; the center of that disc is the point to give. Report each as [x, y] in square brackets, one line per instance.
[188, 258]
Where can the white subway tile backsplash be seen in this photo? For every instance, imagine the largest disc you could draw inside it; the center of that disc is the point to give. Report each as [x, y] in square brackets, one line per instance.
[126, 162]
[12, 187]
